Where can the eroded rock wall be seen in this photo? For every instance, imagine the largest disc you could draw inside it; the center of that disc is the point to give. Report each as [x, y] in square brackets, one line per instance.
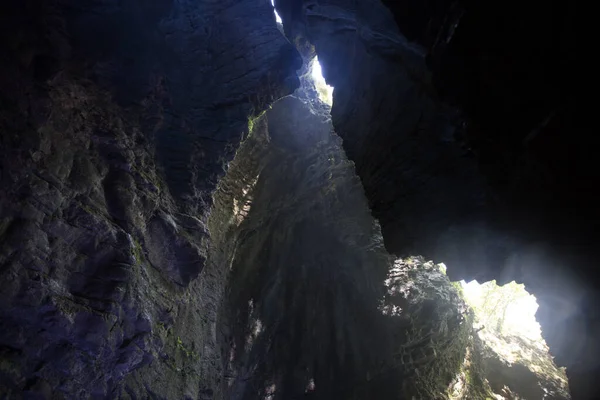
[498, 187]
[316, 308]
[308, 268]
[401, 137]
[117, 119]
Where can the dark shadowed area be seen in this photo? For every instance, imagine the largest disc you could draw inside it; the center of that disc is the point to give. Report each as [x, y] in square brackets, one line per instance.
[189, 210]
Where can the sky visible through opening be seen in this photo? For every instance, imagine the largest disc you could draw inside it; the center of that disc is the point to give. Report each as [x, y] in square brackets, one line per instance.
[511, 302]
[324, 90]
[505, 322]
[517, 312]
[277, 17]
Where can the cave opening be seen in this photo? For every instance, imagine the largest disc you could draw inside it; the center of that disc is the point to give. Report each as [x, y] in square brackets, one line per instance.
[511, 343]
[506, 309]
[325, 91]
[312, 66]
[277, 16]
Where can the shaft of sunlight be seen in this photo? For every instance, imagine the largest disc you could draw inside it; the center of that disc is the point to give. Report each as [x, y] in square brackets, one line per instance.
[277, 17]
[510, 307]
[317, 72]
[325, 91]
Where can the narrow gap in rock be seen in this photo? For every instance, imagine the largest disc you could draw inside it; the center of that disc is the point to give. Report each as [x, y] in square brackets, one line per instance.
[308, 263]
[325, 91]
[307, 275]
[277, 17]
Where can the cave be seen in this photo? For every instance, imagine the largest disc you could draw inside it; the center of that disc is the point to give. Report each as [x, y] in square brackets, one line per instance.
[285, 199]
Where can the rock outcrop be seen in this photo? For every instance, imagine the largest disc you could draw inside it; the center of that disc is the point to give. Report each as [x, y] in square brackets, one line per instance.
[517, 367]
[460, 119]
[432, 328]
[117, 121]
[308, 268]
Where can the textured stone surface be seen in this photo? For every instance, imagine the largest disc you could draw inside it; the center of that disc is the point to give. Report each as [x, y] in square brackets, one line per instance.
[308, 267]
[118, 118]
[117, 121]
[432, 329]
[311, 313]
[516, 74]
[533, 375]
[399, 135]
[500, 190]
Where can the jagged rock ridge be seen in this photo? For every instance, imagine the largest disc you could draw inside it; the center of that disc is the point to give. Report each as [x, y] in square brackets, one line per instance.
[117, 121]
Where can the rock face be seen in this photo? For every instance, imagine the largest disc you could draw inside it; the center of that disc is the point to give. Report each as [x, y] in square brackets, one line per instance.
[161, 237]
[309, 262]
[402, 140]
[432, 329]
[117, 119]
[497, 187]
[531, 375]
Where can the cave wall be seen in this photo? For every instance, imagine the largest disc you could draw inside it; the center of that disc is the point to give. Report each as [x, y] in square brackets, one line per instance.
[421, 186]
[515, 70]
[315, 306]
[472, 144]
[308, 268]
[118, 118]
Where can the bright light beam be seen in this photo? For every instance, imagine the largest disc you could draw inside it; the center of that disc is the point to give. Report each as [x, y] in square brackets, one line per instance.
[325, 91]
[277, 17]
[317, 72]
[520, 313]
